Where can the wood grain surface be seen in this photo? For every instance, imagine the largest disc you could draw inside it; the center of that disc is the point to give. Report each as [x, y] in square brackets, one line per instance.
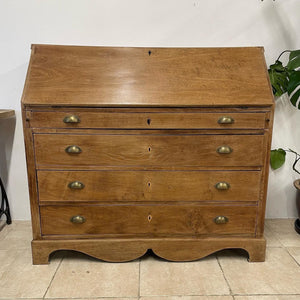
[147, 120]
[148, 220]
[148, 150]
[173, 249]
[139, 186]
[110, 76]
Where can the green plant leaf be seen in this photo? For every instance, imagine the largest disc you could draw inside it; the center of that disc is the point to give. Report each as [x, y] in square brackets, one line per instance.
[294, 53]
[293, 87]
[294, 81]
[295, 98]
[279, 81]
[277, 158]
[294, 60]
[277, 66]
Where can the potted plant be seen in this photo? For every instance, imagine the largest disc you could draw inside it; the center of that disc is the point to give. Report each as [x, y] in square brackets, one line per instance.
[286, 79]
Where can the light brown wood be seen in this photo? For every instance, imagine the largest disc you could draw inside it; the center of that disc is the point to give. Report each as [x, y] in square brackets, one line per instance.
[6, 113]
[31, 175]
[148, 186]
[150, 109]
[264, 189]
[147, 120]
[153, 150]
[148, 134]
[110, 76]
[173, 249]
[148, 220]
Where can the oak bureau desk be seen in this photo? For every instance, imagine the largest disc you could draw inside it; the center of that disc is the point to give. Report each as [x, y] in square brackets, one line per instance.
[130, 149]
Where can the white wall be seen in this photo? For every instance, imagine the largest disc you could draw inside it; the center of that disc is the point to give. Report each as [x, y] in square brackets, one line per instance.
[174, 23]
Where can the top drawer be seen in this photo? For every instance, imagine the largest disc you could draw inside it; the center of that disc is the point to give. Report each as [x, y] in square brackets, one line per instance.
[148, 120]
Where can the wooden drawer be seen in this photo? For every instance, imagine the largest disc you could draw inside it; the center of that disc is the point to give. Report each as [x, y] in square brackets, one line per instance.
[148, 219]
[148, 150]
[147, 120]
[148, 185]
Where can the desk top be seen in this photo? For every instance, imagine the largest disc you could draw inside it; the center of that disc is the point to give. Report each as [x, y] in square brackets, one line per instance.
[6, 113]
[145, 77]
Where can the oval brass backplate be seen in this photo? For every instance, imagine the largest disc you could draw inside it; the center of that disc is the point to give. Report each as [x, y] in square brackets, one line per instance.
[222, 186]
[73, 149]
[77, 219]
[76, 185]
[221, 220]
[71, 119]
[226, 120]
[224, 150]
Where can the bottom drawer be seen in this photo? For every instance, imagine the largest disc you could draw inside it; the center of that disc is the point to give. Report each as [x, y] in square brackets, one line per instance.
[149, 220]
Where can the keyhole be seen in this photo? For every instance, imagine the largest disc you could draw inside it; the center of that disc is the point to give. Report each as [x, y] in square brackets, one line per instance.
[149, 149]
[148, 121]
[149, 184]
[149, 52]
[149, 218]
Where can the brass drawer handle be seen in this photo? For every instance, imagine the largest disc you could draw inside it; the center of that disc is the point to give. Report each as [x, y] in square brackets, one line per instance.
[71, 119]
[73, 149]
[224, 150]
[76, 185]
[222, 186]
[78, 219]
[221, 220]
[226, 120]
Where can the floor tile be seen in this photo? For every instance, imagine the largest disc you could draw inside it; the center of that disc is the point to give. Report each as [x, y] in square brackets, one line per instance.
[295, 252]
[268, 297]
[97, 298]
[2, 224]
[280, 224]
[279, 274]
[17, 236]
[3, 233]
[204, 277]
[283, 230]
[20, 279]
[5, 229]
[83, 277]
[6, 259]
[187, 298]
[17, 225]
[272, 240]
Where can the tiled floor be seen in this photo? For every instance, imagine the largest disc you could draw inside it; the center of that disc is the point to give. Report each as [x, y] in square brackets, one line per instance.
[226, 275]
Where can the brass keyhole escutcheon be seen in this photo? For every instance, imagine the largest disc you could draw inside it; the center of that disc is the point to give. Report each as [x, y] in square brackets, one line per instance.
[149, 218]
